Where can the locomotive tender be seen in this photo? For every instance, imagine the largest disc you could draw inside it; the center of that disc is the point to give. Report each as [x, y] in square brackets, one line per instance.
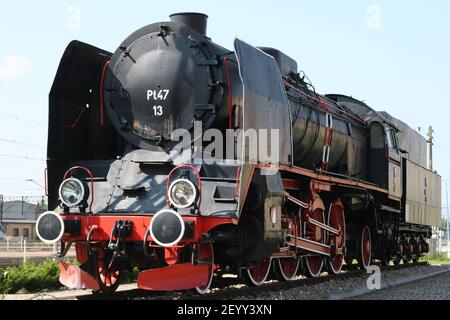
[349, 182]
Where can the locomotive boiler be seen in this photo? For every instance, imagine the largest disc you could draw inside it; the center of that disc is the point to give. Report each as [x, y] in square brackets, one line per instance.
[347, 182]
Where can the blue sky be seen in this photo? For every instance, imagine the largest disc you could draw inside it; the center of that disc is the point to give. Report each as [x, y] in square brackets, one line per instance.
[392, 54]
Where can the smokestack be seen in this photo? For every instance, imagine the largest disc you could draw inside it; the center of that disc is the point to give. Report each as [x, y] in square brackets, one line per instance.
[197, 21]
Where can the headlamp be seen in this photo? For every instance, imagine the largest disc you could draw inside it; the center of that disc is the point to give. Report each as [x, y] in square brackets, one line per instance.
[71, 192]
[182, 193]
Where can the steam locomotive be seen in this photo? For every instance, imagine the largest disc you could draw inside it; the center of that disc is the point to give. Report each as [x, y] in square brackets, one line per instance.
[348, 183]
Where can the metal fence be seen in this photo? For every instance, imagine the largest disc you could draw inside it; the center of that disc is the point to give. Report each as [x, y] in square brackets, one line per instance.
[17, 250]
[439, 243]
[19, 244]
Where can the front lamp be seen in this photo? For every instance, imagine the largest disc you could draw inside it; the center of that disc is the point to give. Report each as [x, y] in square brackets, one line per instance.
[71, 192]
[182, 193]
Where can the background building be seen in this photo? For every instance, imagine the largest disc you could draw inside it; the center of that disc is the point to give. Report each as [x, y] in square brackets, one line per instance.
[18, 218]
[2, 232]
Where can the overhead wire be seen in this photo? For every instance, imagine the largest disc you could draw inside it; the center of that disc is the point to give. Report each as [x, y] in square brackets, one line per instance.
[23, 119]
[13, 179]
[24, 144]
[21, 157]
[24, 168]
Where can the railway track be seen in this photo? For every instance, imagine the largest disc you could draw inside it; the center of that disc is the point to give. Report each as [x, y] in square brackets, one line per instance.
[279, 286]
[225, 288]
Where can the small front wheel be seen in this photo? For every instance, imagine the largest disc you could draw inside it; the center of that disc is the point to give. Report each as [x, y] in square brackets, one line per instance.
[108, 280]
[205, 255]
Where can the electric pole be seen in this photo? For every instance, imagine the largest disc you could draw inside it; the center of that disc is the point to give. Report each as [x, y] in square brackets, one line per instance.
[37, 183]
[1, 209]
[430, 148]
[448, 218]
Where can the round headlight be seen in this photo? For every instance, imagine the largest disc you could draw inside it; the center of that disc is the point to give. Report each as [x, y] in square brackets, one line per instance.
[71, 192]
[50, 227]
[182, 193]
[167, 228]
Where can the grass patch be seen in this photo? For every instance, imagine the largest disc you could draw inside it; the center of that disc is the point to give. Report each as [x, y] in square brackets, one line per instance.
[30, 277]
[130, 276]
[436, 258]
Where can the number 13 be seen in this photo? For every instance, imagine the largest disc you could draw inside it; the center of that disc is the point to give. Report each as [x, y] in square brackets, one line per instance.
[158, 110]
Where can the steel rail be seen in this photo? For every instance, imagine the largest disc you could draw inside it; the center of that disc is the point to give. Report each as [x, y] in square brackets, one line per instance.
[223, 292]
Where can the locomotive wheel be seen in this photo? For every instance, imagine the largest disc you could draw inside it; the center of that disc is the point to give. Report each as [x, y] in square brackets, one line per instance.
[418, 252]
[314, 263]
[386, 257]
[286, 268]
[365, 248]
[108, 280]
[336, 219]
[348, 261]
[206, 254]
[409, 251]
[256, 275]
[411, 248]
[425, 247]
[405, 260]
[385, 261]
[396, 261]
[399, 255]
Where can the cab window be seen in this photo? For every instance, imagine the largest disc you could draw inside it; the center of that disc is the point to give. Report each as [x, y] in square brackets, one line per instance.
[391, 136]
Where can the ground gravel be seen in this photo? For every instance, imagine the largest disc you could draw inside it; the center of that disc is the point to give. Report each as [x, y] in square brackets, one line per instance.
[434, 288]
[336, 287]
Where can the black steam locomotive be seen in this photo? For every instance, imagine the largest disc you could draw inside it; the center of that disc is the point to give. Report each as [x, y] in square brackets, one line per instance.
[342, 183]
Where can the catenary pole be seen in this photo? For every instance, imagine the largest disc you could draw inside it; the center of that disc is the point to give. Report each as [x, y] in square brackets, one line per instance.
[448, 218]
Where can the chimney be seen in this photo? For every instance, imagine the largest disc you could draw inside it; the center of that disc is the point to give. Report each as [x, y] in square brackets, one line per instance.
[197, 21]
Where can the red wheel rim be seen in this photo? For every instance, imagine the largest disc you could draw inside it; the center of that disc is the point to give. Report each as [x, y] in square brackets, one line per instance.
[108, 278]
[336, 220]
[314, 232]
[259, 272]
[366, 246]
[206, 253]
[288, 267]
[314, 264]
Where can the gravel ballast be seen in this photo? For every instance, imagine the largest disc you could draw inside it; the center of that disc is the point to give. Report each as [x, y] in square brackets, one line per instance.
[338, 289]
